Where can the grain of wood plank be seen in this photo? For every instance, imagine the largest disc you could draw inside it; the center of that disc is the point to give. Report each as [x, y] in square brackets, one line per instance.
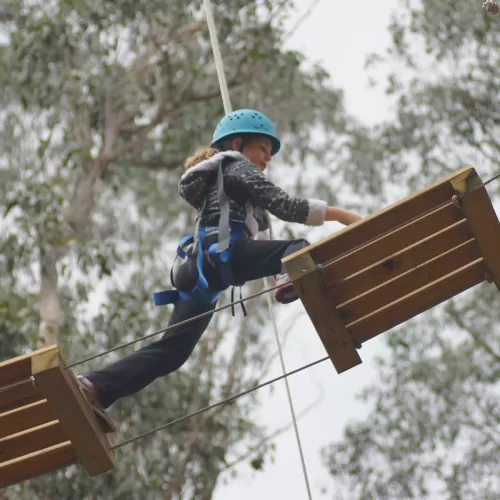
[31, 440]
[393, 242]
[415, 303]
[25, 417]
[60, 388]
[331, 331]
[405, 284]
[480, 214]
[396, 264]
[36, 463]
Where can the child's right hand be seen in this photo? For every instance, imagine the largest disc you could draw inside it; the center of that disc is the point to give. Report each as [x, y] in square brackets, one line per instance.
[340, 215]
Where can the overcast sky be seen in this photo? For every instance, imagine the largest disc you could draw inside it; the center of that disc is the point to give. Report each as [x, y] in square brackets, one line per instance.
[340, 34]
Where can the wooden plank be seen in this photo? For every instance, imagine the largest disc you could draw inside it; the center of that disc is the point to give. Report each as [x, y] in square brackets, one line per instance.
[36, 463]
[393, 242]
[412, 280]
[331, 331]
[16, 369]
[417, 302]
[25, 417]
[384, 220]
[478, 209]
[18, 396]
[60, 388]
[31, 440]
[396, 264]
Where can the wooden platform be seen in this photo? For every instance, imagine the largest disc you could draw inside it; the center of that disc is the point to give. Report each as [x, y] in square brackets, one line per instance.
[45, 422]
[397, 263]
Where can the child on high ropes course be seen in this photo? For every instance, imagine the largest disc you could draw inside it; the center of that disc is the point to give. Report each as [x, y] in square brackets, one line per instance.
[226, 185]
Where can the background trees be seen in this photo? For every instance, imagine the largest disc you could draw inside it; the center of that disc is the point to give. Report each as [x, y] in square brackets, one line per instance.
[101, 102]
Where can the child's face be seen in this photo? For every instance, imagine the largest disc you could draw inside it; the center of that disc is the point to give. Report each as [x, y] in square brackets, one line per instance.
[258, 151]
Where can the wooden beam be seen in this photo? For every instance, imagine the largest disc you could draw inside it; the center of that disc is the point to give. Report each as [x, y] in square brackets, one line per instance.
[382, 221]
[60, 388]
[393, 242]
[332, 332]
[405, 284]
[17, 369]
[20, 395]
[478, 209]
[413, 304]
[31, 440]
[396, 264]
[25, 417]
[36, 463]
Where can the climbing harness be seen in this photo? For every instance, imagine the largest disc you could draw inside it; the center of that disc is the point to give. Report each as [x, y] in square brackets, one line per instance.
[218, 254]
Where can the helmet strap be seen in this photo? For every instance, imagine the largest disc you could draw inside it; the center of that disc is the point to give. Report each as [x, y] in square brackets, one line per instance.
[244, 143]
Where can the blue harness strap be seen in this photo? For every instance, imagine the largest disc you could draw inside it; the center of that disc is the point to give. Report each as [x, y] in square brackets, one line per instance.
[219, 254]
[221, 259]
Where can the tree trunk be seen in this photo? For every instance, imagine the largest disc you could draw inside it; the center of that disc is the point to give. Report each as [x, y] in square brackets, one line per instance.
[209, 487]
[51, 312]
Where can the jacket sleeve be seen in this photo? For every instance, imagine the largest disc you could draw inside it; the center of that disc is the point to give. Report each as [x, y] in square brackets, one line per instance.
[242, 179]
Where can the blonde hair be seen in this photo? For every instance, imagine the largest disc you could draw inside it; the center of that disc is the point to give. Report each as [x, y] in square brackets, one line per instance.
[202, 154]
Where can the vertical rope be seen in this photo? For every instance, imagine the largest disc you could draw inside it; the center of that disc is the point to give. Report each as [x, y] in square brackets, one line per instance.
[227, 107]
[287, 386]
[219, 65]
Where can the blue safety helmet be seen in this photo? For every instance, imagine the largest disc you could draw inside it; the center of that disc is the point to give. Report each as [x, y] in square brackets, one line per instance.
[246, 121]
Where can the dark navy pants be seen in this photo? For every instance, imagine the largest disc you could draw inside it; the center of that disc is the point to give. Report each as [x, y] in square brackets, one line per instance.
[251, 260]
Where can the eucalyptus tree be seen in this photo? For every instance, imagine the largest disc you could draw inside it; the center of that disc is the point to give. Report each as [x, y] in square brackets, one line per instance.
[101, 103]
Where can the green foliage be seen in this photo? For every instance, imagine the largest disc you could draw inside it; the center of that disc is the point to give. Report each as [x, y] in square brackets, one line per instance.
[101, 102]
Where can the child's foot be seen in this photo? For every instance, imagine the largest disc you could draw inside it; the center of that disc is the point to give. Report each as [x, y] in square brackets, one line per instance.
[90, 393]
[285, 293]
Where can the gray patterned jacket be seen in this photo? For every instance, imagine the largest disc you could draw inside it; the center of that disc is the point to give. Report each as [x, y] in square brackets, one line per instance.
[250, 194]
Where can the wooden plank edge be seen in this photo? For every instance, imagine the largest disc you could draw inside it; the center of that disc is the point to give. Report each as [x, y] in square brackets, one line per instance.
[37, 463]
[370, 252]
[332, 333]
[60, 388]
[389, 259]
[19, 396]
[15, 369]
[483, 222]
[31, 440]
[453, 179]
[25, 417]
[410, 281]
[426, 297]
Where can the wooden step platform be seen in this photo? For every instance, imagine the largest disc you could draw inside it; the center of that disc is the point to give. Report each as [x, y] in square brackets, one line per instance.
[45, 422]
[395, 264]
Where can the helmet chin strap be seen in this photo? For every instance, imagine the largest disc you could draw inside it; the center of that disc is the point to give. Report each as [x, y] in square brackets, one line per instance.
[242, 147]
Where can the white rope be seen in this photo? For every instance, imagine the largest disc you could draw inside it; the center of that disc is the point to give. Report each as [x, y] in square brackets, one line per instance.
[227, 108]
[287, 386]
[219, 66]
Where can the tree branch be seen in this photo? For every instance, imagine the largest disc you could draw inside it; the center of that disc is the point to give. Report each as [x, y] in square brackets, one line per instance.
[156, 163]
[477, 338]
[178, 475]
[278, 432]
[139, 68]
